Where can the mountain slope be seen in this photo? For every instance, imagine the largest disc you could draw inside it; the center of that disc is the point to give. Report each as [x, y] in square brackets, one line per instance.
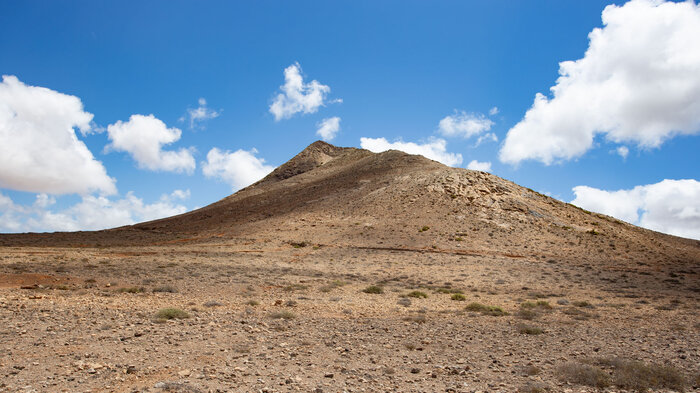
[354, 198]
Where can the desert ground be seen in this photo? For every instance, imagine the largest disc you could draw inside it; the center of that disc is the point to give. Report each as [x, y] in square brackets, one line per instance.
[434, 280]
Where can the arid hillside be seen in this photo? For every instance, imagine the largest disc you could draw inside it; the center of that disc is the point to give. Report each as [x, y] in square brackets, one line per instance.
[349, 271]
[350, 197]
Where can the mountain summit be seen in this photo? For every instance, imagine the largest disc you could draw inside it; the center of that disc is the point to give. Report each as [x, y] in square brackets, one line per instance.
[352, 197]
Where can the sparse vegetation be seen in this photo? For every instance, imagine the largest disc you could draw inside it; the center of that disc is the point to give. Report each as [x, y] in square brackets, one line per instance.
[578, 314]
[540, 304]
[486, 310]
[424, 228]
[252, 303]
[298, 244]
[295, 287]
[583, 374]
[212, 303]
[282, 315]
[638, 376]
[332, 285]
[530, 330]
[374, 289]
[416, 294]
[171, 313]
[458, 297]
[526, 313]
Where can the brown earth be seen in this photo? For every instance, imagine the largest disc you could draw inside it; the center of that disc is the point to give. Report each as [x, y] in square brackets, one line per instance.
[272, 278]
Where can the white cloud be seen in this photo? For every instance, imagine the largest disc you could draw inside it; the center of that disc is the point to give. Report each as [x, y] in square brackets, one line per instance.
[623, 151]
[639, 81]
[479, 166]
[670, 206]
[493, 111]
[143, 138]
[328, 128]
[464, 124]
[488, 137]
[39, 150]
[200, 114]
[435, 149]
[91, 213]
[298, 96]
[180, 194]
[239, 169]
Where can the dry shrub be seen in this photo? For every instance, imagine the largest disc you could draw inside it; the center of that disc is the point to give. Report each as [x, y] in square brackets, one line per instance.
[282, 315]
[583, 374]
[639, 376]
[527, 329]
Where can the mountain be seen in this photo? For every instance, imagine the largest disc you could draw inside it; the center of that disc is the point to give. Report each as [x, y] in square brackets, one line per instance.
[348, 197]
[346, 270]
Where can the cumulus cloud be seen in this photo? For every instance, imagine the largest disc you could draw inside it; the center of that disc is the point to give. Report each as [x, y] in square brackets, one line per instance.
[479, 166]
[493, 111]
[200, 114]
[623, 151]
[464, 124]
[328, 128]
[297, 96]
[435, 149]
[143, 138]
[39, 149]
[239, 169]
[638, 82]
[670, 206]
[91, 213]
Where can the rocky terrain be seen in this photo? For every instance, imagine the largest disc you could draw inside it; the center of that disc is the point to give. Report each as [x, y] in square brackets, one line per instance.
[349, 271]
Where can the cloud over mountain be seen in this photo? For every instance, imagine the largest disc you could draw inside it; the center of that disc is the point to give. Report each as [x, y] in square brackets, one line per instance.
[638, 82]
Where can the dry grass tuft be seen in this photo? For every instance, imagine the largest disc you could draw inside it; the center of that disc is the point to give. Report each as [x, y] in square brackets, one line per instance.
[583, 374]
[527, 329]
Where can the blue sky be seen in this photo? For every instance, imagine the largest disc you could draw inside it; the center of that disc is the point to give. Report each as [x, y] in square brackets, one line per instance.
[390, 69]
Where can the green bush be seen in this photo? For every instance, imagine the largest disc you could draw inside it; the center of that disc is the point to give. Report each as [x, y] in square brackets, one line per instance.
[171, 313]
[374, 289]
[458, 297]
[417, 294]
[486, 310]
